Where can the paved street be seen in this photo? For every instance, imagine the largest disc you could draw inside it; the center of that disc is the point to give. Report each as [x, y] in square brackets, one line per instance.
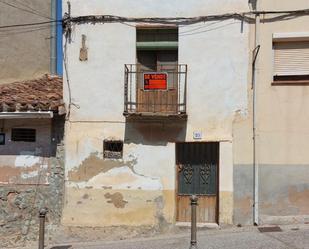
[289, 238]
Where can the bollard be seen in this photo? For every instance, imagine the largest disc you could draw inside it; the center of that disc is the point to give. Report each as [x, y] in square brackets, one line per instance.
[42, 216]
[193, 244]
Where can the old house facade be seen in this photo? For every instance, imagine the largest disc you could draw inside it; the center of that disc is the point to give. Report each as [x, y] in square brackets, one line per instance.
[151, 111]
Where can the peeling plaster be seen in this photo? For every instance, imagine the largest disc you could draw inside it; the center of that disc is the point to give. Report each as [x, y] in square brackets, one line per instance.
[121, 178]
[30, 174]
[93, 165]
[116, 199]
[124, 178]
[26, 159]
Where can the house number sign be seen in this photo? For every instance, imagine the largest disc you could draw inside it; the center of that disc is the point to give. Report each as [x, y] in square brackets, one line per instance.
[197, 135]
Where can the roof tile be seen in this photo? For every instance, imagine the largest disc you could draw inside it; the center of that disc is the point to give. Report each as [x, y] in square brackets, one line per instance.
[43, 94]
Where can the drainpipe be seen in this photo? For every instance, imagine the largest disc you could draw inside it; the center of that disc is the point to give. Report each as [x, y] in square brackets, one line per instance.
[53, 35]
[59, 67]
[254, 119]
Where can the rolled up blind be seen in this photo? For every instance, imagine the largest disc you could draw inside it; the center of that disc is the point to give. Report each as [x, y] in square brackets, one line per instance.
[291, 58]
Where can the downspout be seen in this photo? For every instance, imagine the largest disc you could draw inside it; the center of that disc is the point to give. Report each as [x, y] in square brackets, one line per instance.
[53, 38]
[255, 77]
[59, 67]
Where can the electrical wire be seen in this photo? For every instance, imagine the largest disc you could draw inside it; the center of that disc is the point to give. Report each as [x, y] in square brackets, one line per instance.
[211, 29]
[198, 28]
[25, 10]
[13, 32]
[30, 24]
[244, 16]
[65, 63]
[27, 6]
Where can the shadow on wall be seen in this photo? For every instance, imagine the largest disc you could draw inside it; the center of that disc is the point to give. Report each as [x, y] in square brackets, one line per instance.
[155, 133]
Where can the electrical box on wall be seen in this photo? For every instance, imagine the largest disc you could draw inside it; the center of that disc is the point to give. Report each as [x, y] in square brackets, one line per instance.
[2, 138]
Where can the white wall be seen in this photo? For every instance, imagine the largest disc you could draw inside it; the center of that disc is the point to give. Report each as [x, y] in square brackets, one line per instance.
[216, 54]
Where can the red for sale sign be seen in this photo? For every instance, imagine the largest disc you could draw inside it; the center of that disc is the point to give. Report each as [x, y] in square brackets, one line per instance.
[155, 81]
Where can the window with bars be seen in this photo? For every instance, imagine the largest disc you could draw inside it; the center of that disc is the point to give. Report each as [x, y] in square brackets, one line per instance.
[113, 149]
[291, 62]
[23, 135]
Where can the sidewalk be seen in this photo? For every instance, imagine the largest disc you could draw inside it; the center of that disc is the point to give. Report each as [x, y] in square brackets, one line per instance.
[291, 237]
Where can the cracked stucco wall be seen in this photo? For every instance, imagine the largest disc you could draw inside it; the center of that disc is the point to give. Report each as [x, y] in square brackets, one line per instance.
[140, 188]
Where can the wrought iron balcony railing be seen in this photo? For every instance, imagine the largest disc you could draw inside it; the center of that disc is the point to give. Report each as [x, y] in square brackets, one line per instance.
[155, 90]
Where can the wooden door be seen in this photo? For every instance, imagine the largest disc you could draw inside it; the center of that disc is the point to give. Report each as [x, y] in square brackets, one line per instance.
[197, 173]
[157, 101]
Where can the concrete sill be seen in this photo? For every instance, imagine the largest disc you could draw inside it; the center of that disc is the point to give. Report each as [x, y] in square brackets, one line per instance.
[200, 225]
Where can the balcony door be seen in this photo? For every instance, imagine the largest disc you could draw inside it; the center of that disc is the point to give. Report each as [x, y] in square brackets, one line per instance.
[157, 100]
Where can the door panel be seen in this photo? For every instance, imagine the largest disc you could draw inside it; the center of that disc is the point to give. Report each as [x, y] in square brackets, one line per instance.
[197, 173]
[206, 209]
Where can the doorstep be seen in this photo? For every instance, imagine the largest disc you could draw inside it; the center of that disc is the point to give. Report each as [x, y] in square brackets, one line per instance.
[200, 225]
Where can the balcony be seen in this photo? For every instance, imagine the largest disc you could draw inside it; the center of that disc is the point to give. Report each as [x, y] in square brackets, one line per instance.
[155, 92]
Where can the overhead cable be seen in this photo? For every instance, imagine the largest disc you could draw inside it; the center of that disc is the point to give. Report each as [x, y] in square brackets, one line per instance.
[244, 16]
[25, 10]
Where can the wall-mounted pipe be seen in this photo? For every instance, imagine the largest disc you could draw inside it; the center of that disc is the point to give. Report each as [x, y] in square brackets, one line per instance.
[254, 119]
[53, 38]
[59, 67]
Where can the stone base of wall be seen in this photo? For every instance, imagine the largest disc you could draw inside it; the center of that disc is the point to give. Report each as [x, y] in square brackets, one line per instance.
[20, 203]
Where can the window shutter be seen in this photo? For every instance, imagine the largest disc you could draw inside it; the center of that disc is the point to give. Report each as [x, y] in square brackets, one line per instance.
[291, 58]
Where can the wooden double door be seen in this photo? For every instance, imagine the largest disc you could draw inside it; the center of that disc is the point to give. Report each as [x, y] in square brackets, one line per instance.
[158, 101]
[197, 173]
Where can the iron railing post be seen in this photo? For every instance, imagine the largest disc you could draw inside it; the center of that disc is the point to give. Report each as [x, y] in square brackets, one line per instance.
[42, 216]
[125, 89]
[185, 91]
[193, 244]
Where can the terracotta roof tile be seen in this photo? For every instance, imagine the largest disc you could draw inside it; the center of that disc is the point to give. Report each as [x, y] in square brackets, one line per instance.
[43, 94]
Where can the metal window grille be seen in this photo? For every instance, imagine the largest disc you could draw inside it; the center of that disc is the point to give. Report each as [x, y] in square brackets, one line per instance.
[23, 135]
[113, 149]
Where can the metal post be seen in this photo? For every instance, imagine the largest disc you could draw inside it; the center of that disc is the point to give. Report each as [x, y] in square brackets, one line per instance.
[42, 216]
[193, 244]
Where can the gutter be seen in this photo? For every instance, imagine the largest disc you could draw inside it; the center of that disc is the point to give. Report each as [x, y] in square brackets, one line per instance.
[24, 115]
[59, 60]
[255, 66]
[53, 40]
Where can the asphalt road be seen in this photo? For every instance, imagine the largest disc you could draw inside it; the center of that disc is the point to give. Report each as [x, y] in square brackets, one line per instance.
[289, 238]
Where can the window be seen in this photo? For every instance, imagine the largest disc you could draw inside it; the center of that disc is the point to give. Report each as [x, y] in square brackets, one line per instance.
[291, 62]
[113, 149]
[23, 135]
[2, 138]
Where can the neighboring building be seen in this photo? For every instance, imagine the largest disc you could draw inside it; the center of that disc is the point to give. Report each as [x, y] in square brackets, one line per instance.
[31, 153]
[281, 120]
[28, 52]
[138, 144]
[31, 116]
